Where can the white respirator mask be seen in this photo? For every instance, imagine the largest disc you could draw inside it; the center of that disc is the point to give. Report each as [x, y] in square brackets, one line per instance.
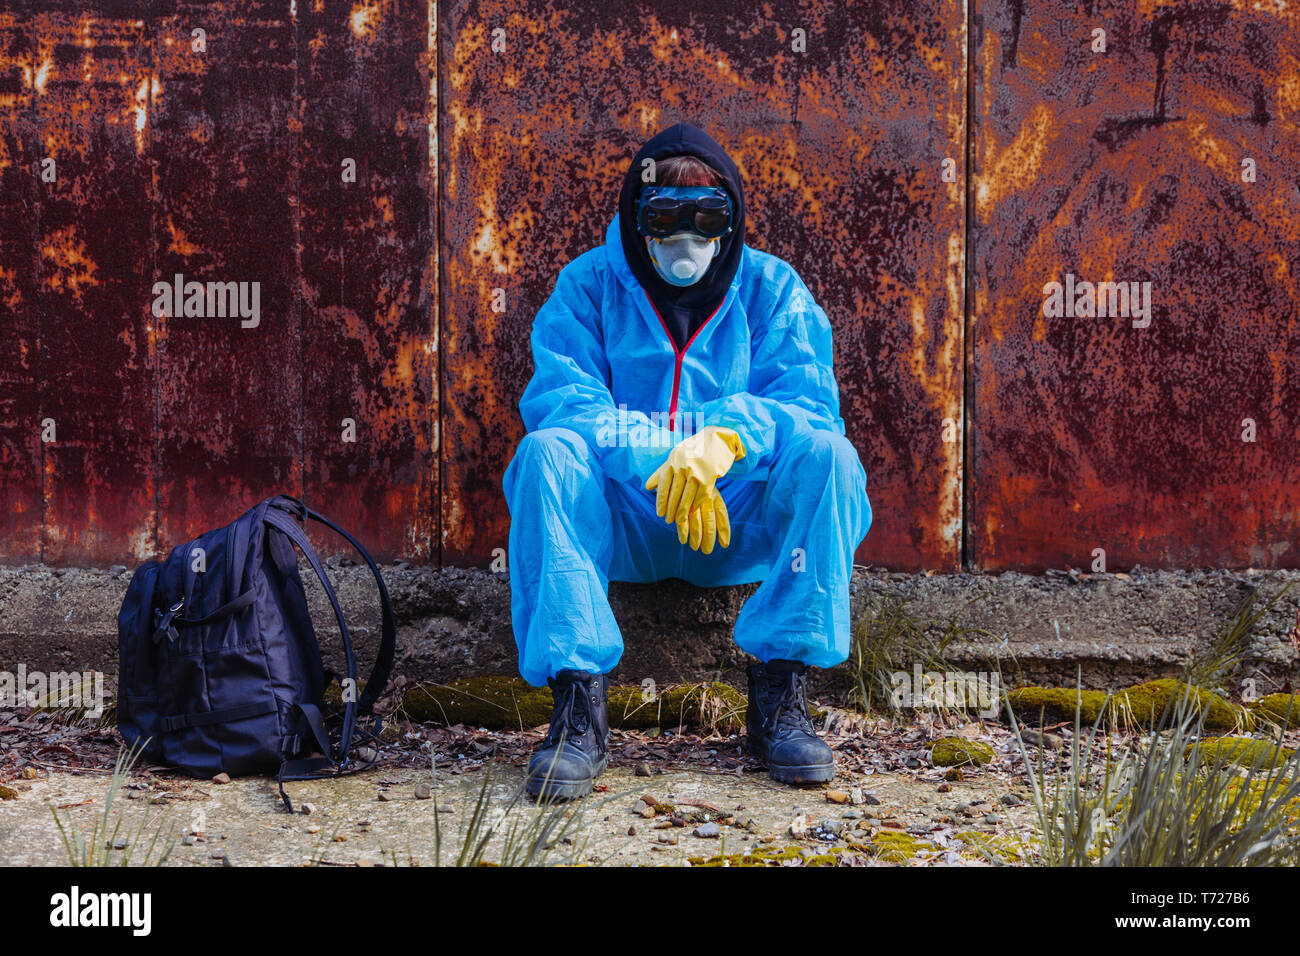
[682, 258]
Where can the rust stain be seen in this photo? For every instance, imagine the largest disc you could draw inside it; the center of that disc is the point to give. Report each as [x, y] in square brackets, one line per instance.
[1089, 434]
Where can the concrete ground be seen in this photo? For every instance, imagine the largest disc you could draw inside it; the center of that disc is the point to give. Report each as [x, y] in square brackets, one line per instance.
[886, 806]
[243, 822]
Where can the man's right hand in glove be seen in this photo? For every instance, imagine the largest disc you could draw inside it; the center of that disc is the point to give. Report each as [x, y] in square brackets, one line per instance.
[685, 485]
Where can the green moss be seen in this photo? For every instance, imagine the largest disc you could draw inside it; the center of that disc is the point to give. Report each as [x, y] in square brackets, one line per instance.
[1144, 705]
[498, 702]
[960, 752]
[1139, 706]
[7, 792]
[760, 856]
[893, 846]
[492, 702]
[1280, 709]
[1052, 705]
[1000, 847]
[771, 856]
[1242, 751]
[888, 846]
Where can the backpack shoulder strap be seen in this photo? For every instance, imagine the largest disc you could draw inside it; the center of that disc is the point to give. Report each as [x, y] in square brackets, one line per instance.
[277, 518]
[383, 666]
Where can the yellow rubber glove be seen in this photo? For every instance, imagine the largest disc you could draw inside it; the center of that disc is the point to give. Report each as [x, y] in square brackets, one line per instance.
[708, 524]
[689, 474]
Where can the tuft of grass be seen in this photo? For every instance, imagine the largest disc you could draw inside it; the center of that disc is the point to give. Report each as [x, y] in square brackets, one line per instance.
[1173, 799]
[97, 847]
[888, 640]
[1212, 666]
[518, 832]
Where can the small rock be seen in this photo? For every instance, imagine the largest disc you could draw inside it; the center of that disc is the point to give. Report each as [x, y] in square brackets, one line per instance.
[385, 796]
[836, 796]
[134, 794]
[992, 818]
[307, 808]
[643, 769]
[1010, 800]
[631, 831]
[643, 809]
[341, 838]
[708, 831]
[871, 801]
[188, 840]
[313, 829]
[366, 754]
[221, 778]
[423, 791]
[668, 838]
[1033, 738]
[29, 773]
[856, 797]
[799, 826]
[945, 788]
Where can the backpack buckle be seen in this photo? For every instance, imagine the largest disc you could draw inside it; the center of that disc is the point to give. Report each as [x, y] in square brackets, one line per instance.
[163, 622]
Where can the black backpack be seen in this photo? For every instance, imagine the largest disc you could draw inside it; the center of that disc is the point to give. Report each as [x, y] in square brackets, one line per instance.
[218, 664]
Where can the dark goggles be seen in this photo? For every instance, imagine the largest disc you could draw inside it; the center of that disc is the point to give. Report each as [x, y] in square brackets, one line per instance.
[665, 210]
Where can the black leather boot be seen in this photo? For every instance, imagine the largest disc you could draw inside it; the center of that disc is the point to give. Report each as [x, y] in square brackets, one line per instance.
[780, 728]
[575, 750]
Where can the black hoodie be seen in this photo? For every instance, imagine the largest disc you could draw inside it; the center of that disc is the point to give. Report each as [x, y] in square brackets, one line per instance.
[683, 309]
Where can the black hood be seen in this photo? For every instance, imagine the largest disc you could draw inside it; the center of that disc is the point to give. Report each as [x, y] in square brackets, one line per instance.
[683, 309]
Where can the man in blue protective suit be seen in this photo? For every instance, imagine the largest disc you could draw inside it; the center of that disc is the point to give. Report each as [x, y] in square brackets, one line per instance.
[683, 421]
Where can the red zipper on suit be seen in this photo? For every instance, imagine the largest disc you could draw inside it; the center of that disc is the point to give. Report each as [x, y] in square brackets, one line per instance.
[679, 354]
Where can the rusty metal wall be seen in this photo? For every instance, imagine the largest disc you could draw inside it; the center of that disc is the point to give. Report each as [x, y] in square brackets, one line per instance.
[208, 140]
[480, 169]
[842, 150]
[1126, 165]
[20, 394]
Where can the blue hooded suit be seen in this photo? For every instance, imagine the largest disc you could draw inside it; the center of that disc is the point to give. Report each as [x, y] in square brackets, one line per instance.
[625, 367]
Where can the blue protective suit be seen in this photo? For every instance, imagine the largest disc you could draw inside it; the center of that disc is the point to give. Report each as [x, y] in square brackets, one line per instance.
[611, 395]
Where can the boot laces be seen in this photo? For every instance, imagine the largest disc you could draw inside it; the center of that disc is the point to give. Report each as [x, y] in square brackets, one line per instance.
[571, 719]
[790, 711]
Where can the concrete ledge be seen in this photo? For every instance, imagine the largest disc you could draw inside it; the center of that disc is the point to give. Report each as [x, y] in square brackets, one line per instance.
[1114, 629]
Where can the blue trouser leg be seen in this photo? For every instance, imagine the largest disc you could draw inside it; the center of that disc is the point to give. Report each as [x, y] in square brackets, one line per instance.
[561, 534]
[572, 530]
[816, 512]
